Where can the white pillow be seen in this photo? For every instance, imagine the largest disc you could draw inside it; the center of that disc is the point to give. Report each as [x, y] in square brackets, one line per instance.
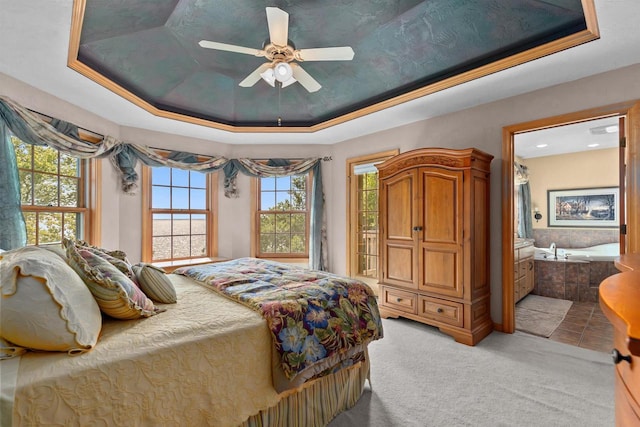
[45, 304]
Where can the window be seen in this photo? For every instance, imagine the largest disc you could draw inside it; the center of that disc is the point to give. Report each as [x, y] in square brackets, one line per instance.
[179, 220]
[282, 217]
[362, 221]
[55, 194]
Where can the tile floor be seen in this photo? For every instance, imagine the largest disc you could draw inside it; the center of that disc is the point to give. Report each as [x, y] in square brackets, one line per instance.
[585, 326]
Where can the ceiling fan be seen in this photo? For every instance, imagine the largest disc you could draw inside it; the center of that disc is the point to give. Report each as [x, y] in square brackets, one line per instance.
[281, 53]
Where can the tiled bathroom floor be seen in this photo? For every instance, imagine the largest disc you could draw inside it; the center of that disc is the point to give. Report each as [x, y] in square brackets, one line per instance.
[585, 326]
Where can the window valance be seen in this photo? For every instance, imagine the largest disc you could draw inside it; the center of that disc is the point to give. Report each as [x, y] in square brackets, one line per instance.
[64, 136]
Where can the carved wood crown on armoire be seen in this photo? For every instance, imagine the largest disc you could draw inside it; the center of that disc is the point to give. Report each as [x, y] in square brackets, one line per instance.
[434, 240]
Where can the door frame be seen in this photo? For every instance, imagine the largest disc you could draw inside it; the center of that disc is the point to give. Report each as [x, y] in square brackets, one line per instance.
[630, 109]
[352, 204]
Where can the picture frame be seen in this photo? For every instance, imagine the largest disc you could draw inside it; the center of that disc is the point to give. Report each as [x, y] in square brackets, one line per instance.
[584, 207]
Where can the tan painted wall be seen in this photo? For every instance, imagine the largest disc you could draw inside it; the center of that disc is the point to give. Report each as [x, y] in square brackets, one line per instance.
[589, 169]
[480, 127]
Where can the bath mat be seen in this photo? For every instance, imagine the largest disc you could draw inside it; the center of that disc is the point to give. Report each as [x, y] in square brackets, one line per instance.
[540, 315]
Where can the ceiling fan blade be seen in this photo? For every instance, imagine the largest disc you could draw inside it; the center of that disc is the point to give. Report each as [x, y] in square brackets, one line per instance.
[253, 78]
[343, 53]
[304, 78]
[230, 48]
[278, 21]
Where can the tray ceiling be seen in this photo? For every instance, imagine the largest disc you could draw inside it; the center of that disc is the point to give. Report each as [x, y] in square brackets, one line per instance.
[147, 51]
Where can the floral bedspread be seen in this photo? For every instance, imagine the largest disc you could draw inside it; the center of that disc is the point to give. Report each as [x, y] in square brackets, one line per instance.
[312, 315]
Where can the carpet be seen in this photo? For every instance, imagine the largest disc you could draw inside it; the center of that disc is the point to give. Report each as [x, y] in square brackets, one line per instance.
[540, 315]
[421, 377]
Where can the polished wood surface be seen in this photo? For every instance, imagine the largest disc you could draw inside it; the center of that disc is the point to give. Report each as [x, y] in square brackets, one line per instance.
[620, 302]
[434, 228]
[628, 262]
[441, 242]
[399, 244]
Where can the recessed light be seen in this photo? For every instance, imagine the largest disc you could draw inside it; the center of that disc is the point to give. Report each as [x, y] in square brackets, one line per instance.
[541, 145]
[601, 130]
[592, 145]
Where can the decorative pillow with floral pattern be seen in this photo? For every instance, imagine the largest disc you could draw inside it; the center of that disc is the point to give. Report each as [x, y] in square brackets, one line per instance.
[116, 294]
[116, 258]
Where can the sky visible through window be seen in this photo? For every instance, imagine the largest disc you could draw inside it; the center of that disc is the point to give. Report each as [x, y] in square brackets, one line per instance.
[187, 190]
[270, 197]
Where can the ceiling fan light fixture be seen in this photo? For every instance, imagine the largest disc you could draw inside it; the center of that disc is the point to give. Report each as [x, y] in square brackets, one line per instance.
[269, 76]
[283, 72]
[280, 51]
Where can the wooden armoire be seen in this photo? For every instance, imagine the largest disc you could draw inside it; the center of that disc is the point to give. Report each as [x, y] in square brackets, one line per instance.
[434, 240]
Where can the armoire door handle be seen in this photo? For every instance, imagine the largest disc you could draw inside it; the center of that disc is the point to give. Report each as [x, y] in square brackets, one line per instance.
[417, 228]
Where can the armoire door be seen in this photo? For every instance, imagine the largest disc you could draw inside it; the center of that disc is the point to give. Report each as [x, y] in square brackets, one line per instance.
[441, 238]
[398, 214]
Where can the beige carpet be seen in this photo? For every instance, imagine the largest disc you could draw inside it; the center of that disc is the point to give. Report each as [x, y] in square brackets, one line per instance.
[423, 378]
[540, 315]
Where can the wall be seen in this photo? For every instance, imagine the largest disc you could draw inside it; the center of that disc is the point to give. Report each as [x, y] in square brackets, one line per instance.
[44, 103]
[588, 169]
[480, 127]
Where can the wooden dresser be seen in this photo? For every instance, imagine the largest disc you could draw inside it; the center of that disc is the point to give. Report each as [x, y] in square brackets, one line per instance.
[434, 240]
[620, 302]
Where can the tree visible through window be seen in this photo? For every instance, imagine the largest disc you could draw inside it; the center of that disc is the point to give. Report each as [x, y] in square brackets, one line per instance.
[283, 216]
[52, 193]
[367, 225]
[362, 220]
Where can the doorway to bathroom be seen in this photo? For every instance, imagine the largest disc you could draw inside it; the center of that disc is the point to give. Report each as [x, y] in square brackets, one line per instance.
[566, 229]
[627, 116]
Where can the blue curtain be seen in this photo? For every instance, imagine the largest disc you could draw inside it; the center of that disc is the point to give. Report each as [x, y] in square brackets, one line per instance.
[64, 136]
[525, 223]
[284, 167]
[318, 232]
[126, 157]
[13, 230]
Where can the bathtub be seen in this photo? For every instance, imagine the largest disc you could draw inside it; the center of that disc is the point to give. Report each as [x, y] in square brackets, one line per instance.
[605, 252]
[576, 274]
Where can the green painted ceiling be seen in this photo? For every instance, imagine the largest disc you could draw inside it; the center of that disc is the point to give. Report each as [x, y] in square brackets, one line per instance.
[150, 48]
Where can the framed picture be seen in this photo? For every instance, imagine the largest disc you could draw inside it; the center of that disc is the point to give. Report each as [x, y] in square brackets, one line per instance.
[584, 207]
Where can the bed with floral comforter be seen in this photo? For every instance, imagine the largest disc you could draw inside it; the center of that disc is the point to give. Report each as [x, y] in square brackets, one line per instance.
[319, 321]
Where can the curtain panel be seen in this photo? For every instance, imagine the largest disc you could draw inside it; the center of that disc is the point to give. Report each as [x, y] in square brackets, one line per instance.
[13, 230]
[318, 255]
[523, 201]
[63, 136]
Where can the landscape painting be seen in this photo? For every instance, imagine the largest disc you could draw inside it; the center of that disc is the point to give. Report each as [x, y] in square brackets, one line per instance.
[585, 207]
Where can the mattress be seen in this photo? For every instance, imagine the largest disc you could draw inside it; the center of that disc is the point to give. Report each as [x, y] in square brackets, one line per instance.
[319, 321]
[201, 362]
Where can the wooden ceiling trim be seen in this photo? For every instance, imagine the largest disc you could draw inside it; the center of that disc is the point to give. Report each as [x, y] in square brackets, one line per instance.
[589, 34]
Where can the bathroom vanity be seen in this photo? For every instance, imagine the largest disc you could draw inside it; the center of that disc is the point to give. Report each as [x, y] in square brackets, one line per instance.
[523, 269]
[620, 302]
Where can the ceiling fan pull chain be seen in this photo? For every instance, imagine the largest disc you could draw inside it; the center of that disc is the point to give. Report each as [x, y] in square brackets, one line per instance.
[279, 104]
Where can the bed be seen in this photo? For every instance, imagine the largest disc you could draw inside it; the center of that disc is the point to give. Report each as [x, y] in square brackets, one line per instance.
[209, 359]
